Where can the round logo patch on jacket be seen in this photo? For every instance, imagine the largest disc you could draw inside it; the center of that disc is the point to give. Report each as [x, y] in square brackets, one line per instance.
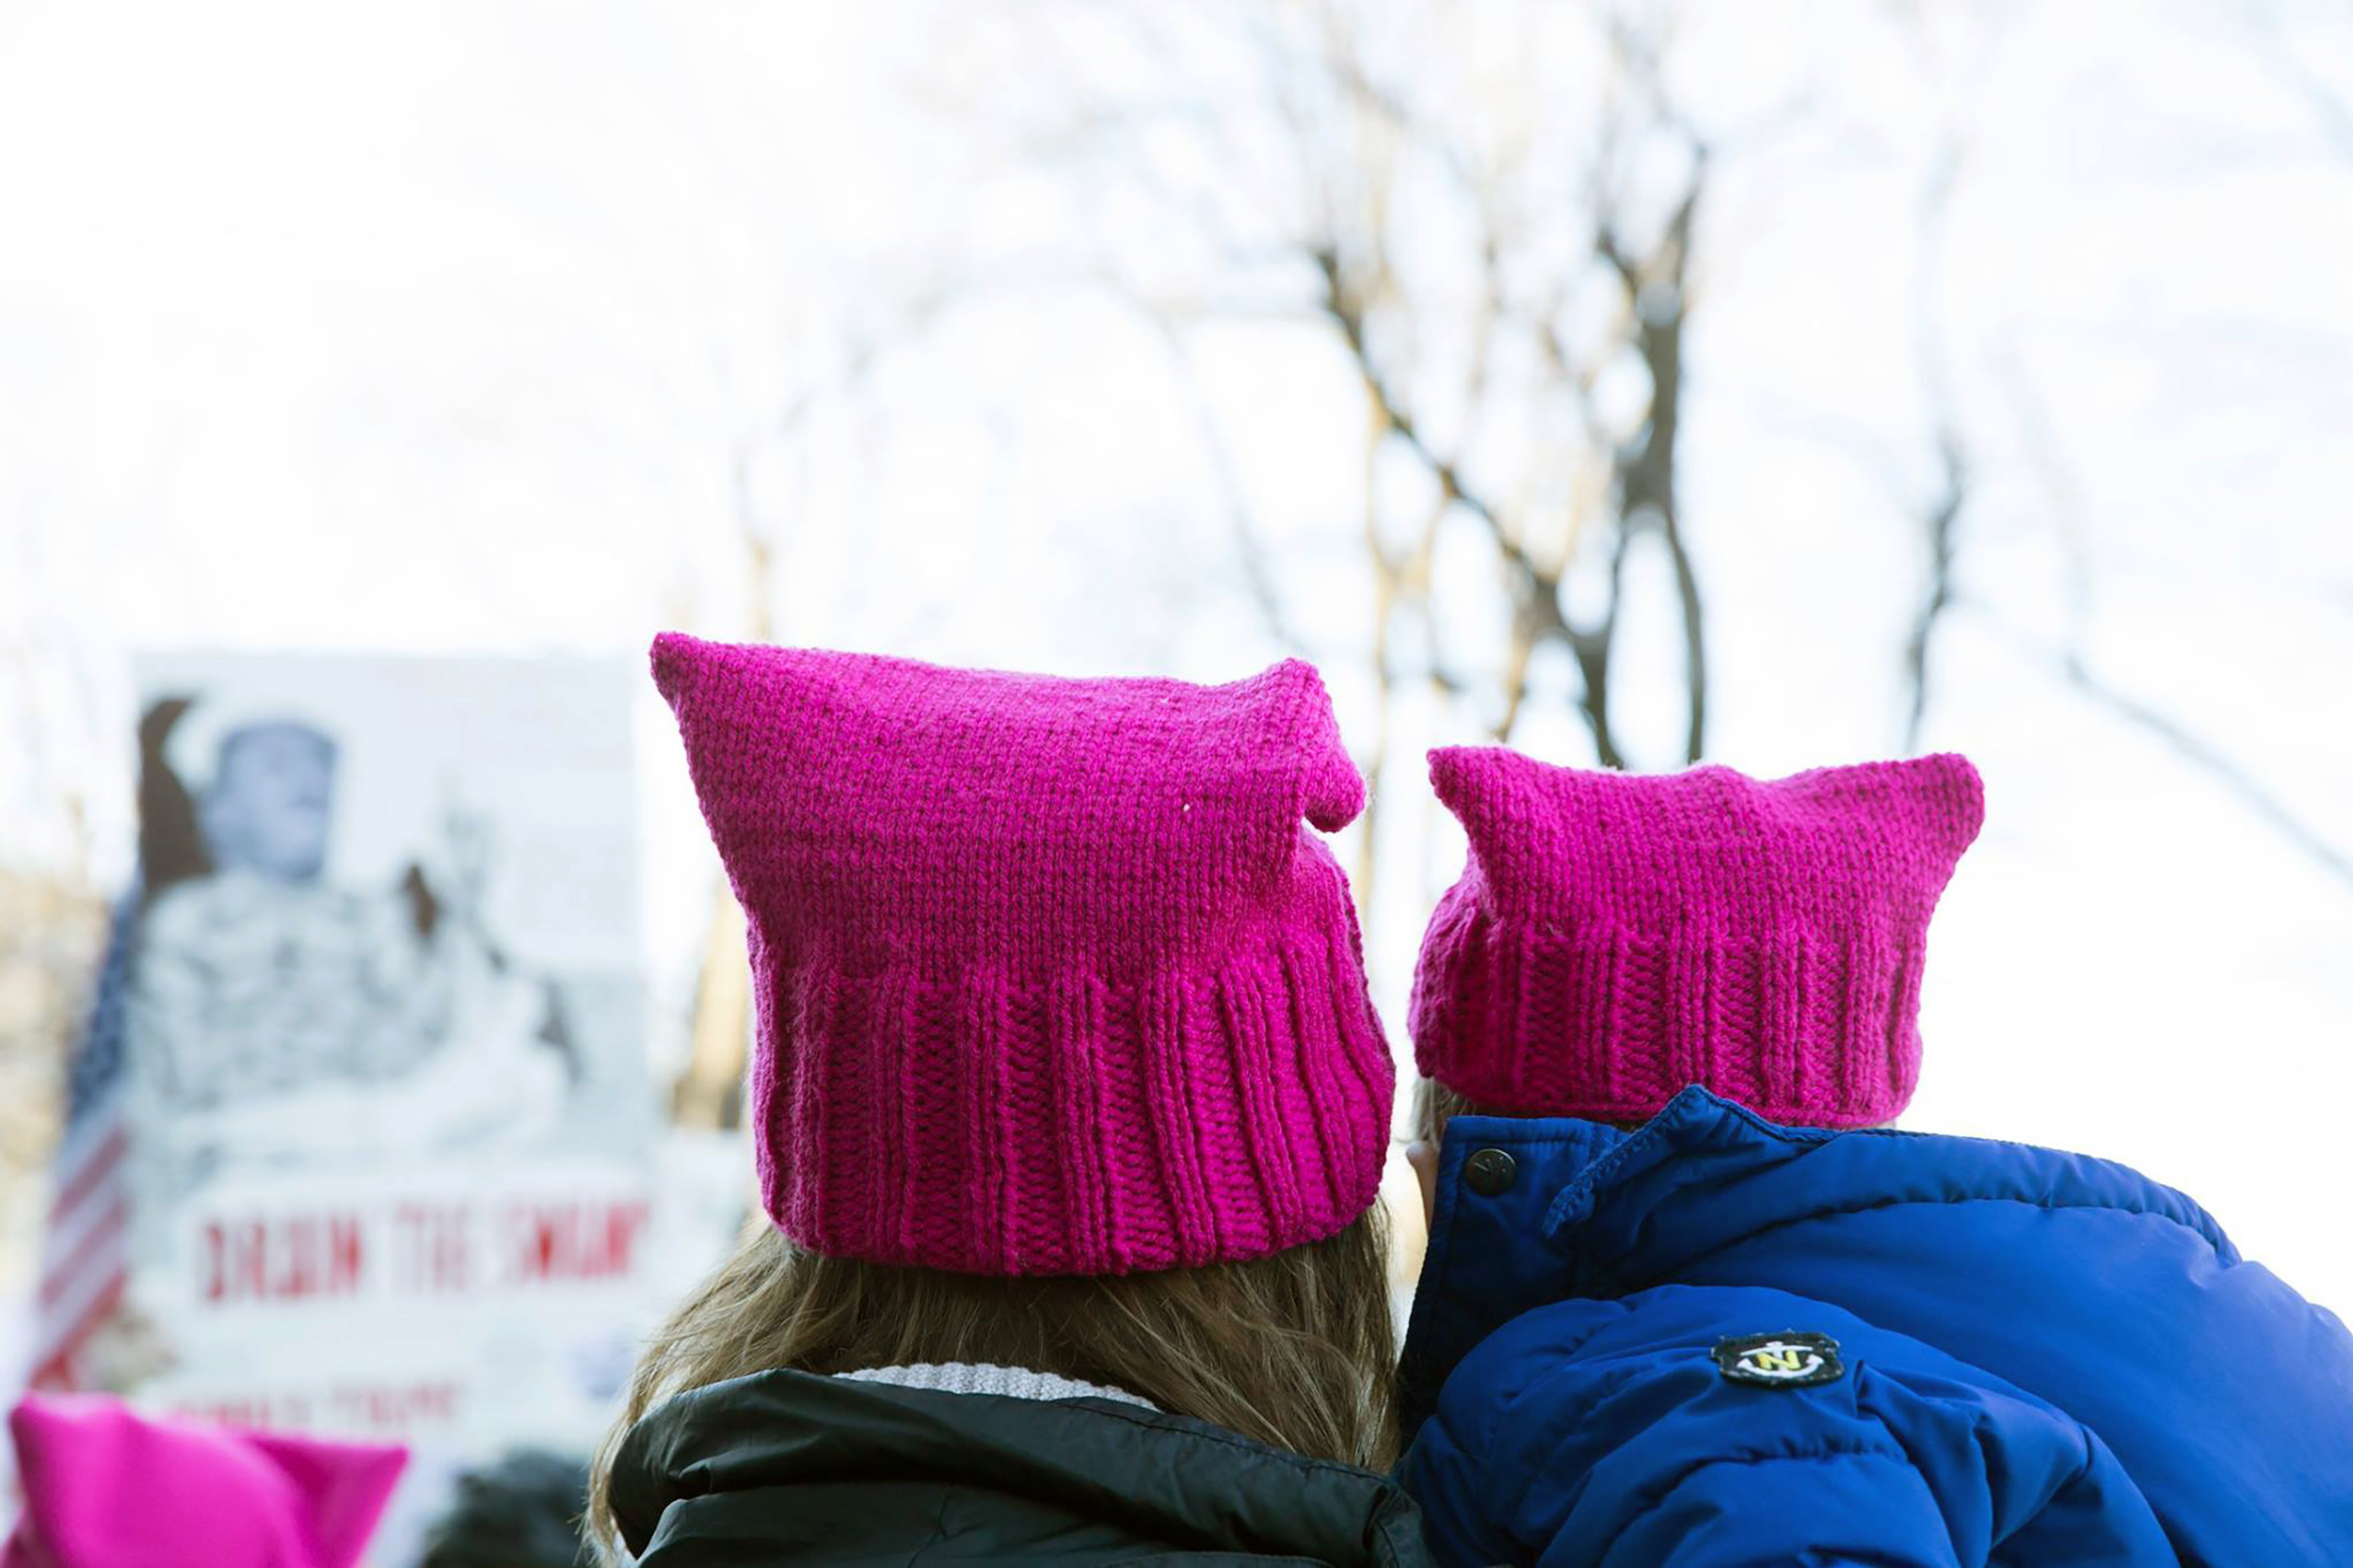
[1785, 1360]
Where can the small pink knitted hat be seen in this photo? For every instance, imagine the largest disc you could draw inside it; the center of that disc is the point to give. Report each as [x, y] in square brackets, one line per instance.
[1051, 978]
[105, 1487]
[1615, 939]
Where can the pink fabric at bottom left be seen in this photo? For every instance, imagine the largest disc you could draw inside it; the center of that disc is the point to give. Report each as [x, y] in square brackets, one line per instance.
[106, 1487]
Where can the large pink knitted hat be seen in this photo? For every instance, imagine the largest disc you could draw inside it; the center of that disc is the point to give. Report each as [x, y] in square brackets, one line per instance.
[1051, 978]
[105, 1487]
[1615, 939]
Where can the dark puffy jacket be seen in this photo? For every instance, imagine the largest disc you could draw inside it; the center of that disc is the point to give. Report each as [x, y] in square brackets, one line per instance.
[787, 1467]
[1719, 1341]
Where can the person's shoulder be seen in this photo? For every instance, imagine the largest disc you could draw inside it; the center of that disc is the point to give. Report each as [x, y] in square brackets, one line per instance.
[1559, 1364]
[1682, 1322]
[1580, 1418]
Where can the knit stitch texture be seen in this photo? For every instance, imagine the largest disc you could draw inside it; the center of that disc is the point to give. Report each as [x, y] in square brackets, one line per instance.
[1615, 939]
[1050, 976]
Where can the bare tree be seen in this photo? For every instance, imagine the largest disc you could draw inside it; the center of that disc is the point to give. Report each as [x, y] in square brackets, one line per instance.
[1633, 257]
[1510, 269]
[1490, 263]
[2036, 429]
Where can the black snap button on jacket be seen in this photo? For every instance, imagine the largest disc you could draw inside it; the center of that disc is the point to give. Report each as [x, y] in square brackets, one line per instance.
[1489, 1171]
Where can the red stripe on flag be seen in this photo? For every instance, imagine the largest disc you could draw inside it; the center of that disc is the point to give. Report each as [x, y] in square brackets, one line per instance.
[95, 1167]
[55, 1371]
[105, 1229]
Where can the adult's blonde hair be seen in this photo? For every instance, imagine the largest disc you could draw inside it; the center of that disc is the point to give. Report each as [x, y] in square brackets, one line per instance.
[1296, 1350]
[1434, 1105]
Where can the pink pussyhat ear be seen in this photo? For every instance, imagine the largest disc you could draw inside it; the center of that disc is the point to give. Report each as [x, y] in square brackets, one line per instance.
[1491, 790]
[105, 1484]
[1332, 791]
[343, 1489]
[1949, 796]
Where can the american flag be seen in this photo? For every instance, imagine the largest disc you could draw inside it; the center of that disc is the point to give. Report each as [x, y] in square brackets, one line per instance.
[85, 1254]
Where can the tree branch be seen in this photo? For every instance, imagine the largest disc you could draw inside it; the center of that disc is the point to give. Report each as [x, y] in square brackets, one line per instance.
[1942, 515]
[1646, 466]
[2214, 762]
[1249, 542]
[1535, 590]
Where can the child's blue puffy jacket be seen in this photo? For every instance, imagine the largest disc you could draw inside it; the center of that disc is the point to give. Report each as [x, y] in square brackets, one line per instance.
[1717, 1342]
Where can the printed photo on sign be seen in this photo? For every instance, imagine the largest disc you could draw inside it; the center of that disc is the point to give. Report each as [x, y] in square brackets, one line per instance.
[283, 1013]
[389, 1133]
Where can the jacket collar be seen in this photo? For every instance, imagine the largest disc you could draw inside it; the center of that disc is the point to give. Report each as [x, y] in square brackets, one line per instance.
[1488, 1261]
[1167, 1476]
[972, 1377]
[1594, 1212]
